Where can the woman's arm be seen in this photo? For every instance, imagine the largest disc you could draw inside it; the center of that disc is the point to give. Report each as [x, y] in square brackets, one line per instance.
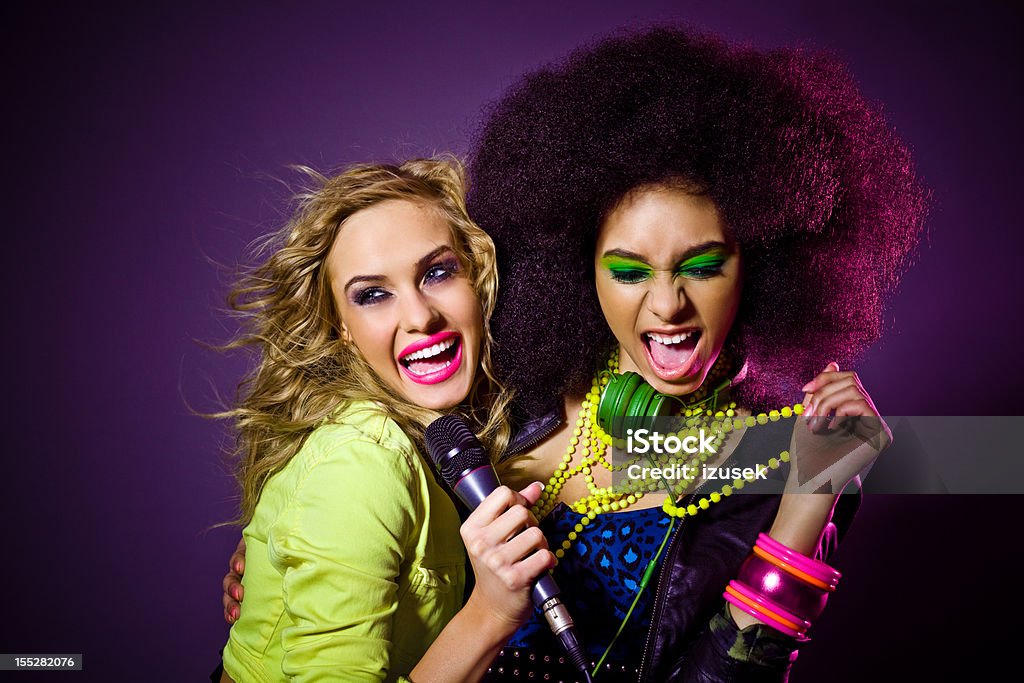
[736, 646]
[803, 516]
[351, 513]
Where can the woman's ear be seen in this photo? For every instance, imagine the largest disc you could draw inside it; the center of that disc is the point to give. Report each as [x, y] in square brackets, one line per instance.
[343, 333]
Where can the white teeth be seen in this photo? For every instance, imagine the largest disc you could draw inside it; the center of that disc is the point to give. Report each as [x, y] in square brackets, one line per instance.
[431, 351]
[668, 339]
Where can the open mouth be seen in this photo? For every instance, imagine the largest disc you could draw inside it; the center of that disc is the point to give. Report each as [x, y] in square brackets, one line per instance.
[672, 356]
[433, 359]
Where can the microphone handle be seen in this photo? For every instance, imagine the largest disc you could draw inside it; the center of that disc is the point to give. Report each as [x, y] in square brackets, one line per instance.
[476, 485]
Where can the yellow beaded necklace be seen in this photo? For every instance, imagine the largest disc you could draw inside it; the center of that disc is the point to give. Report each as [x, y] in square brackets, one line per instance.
[592, 442]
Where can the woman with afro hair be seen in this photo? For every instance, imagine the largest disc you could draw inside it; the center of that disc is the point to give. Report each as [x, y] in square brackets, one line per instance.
[727, 223]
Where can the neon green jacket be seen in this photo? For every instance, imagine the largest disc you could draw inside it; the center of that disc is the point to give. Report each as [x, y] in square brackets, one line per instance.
[354, 561]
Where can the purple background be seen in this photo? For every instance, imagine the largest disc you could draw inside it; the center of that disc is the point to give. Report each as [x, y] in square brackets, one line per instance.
[143, 143]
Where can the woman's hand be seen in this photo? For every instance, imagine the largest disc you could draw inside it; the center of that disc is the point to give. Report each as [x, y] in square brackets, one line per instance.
[508, 552]
[840, 436]
[232, 584]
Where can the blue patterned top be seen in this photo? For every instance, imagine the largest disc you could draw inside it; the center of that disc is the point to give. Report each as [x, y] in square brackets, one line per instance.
[599, 577]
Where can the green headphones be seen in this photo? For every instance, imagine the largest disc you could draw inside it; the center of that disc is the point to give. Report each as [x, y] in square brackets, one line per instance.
[627, 398]
[628, 401]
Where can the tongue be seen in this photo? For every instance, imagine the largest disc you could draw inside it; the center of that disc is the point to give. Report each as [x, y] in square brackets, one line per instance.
[425, 367]
[670, 356]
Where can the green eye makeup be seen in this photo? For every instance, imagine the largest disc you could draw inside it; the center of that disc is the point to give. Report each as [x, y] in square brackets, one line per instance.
[703, 266]
[697, 267]
[626, 270]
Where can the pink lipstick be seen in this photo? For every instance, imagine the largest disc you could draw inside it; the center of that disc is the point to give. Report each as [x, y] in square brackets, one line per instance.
[432, 359]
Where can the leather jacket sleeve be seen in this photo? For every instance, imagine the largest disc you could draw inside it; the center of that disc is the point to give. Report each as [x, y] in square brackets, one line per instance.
[757, 654]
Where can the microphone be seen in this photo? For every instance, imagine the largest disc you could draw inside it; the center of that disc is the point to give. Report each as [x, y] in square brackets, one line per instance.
[465, 467]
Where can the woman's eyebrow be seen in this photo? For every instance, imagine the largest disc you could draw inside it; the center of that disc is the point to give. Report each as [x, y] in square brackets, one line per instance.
[425, 261]
[625, 254]
[363, 278]
[703, 248]
[695, 250]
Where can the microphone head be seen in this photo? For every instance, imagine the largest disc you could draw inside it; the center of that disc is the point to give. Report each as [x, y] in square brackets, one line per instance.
[454, 448]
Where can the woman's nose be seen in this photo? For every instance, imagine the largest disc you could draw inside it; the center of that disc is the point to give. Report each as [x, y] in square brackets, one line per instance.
[418, 313]
[665, 298]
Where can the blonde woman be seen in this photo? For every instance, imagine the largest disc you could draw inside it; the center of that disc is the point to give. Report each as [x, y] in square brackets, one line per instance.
[370, 319]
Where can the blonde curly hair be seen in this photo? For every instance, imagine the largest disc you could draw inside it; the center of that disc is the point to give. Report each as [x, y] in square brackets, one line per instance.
[305, 370]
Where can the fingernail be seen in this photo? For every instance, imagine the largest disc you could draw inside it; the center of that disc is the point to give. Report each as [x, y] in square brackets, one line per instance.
[807, 387]
[234, 614]
[541, 486]
[234, 592]
[238, 567]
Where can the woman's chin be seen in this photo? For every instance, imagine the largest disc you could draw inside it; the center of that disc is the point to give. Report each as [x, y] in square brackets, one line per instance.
[441, 396]
[680, 387]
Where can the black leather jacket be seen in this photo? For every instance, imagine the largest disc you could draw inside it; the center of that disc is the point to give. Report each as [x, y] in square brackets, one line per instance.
[692, 639]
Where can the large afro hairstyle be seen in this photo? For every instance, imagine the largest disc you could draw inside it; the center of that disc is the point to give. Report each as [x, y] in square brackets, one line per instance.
[818, 191]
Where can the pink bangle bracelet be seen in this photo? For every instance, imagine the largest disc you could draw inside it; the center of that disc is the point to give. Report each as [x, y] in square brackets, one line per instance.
[814, 568]
[781, 587]
[791, 570]
[770, 605]
[757, 614]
